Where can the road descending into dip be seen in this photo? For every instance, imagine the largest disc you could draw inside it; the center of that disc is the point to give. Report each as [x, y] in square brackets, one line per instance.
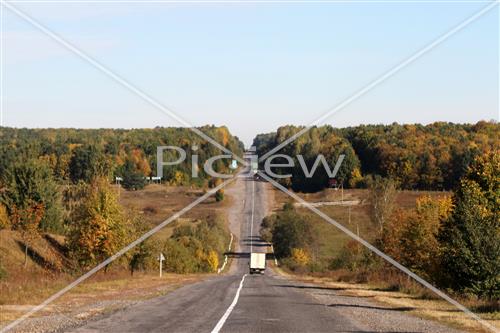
[239, 302]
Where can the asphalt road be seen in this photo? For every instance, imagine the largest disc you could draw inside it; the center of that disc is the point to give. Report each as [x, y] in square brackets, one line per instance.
[239, 302]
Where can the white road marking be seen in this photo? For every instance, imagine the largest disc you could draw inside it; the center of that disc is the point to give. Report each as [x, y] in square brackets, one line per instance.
[221, 322]
[251, 219]
[225, 257]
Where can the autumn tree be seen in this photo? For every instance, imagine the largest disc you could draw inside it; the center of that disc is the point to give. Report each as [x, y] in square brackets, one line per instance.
[99, 226]
[26, 220]
[410, 236]
[471, 236]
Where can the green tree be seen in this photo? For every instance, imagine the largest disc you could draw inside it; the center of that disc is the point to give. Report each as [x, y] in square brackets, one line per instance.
[471, 237]
[290, 231]
[30, 183]
[87, 163]
[132, 178]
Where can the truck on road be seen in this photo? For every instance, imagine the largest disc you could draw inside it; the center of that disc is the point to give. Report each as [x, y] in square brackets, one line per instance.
[257, 263]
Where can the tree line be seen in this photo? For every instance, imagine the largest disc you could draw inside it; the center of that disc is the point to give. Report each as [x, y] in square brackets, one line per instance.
[81, 154]
[425, 157]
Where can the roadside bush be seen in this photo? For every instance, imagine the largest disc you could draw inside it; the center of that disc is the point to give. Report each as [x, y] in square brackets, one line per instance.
[179, 258]
[199, 248]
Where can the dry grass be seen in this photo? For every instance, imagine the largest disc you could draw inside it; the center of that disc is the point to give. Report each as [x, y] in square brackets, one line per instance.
[158, 202]
[114, 286]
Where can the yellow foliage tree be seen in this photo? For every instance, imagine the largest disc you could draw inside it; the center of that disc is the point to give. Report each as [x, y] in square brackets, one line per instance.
[99, 225]
[356, 178]
[411, 235]
[300, 256]
[4, 217]
[213, 260]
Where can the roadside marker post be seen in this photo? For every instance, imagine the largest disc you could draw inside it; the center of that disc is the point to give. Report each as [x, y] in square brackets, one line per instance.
[274, 255]
[160, 259]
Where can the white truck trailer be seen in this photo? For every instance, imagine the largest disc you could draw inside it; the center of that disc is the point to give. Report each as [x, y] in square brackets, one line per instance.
[257, 263]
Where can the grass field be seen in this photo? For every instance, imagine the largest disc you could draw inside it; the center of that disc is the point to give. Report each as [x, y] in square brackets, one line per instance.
[355, 217]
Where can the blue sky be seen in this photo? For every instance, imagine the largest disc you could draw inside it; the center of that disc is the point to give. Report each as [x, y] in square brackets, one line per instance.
[252, 67]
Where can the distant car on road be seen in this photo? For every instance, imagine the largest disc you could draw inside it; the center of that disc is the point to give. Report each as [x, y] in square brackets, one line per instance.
[257, 263]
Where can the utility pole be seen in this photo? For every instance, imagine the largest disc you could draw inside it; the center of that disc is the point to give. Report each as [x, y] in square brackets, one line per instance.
[349, 215]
